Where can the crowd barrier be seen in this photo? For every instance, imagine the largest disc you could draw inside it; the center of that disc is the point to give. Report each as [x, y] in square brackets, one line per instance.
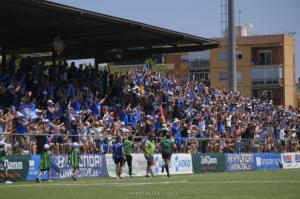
[181, 163]
[94, 166]
[290, 160]
[208, 162]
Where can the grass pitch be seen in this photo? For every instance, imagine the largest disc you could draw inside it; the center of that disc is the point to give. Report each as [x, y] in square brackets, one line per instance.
[253, 184]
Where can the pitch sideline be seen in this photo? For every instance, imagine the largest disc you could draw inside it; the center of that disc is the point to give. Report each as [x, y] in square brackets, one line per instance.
[124, 184]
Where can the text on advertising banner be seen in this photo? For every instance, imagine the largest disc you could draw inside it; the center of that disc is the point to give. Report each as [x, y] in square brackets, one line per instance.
[267, 161]
[207, 162]
[17, 167]
[239, 162]
[91, 166]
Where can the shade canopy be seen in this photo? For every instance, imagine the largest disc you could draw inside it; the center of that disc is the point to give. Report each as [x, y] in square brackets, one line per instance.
[30, 26]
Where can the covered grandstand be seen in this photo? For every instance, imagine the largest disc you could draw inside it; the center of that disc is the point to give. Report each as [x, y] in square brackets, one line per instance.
[29, 26]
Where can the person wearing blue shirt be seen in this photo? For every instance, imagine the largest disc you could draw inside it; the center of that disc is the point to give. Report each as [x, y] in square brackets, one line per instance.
[119, 157]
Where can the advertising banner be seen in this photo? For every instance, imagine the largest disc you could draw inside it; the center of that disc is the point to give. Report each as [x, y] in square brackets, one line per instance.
[139, 165]
[267, 161]
[207, 162]
[290, 160]
[17, 167]
[91, 166]
[34, 168]
[179, 164]
[239, 162]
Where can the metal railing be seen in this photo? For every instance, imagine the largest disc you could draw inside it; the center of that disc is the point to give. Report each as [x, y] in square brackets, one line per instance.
[62, 143]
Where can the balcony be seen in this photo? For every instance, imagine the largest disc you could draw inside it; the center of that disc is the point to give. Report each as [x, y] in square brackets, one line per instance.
[267, 56]
[267, 75]
[198, 64]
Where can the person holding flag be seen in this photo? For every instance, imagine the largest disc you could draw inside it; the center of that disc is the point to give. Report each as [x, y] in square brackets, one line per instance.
[74, 158]
[4, 163]
[45, 163]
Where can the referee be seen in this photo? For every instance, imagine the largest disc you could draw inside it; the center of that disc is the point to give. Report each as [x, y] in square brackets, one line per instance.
[167, 146]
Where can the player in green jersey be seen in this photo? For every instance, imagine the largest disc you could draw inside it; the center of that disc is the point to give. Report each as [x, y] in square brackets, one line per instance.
[4, 163]
[128, 148]
[166, 147]
[74, 158]
[45, 163]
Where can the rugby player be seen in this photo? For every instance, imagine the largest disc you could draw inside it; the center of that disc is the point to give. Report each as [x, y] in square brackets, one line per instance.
[166, 146]
[45, 163]
[74, 158]
[119, 157]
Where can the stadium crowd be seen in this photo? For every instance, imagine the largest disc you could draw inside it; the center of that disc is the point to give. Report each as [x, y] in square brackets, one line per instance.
[62, 104]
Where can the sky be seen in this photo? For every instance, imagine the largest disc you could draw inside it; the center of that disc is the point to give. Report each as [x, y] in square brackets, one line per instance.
[203, 17]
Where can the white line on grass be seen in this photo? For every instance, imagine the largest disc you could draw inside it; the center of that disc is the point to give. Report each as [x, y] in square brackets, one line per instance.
[124, 184]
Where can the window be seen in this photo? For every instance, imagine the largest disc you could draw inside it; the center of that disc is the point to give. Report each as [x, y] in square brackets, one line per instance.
[223, 76]
[265, 57]
[266, 75]
[223, 56]
[239, 76]
[184, 58]
[199, 75]
[239, 55]
[198, 63]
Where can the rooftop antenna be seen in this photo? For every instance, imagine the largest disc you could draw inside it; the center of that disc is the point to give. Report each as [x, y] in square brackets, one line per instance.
[240, 12]
[224, 17]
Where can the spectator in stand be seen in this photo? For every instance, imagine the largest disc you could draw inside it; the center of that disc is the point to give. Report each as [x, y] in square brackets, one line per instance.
[62, 104]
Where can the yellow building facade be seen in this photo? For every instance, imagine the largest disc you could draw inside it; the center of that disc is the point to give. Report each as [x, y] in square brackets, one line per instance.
[266, 67]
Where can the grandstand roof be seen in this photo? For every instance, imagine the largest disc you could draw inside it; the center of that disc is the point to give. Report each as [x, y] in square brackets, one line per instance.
[29, 26]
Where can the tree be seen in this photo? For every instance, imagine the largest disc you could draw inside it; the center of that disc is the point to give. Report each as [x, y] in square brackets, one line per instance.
[155, 66]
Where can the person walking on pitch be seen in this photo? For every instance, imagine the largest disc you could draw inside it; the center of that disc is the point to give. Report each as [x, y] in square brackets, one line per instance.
[45, 163]
[166, 146]
[74, 158]
[119, 157]
[128, 147]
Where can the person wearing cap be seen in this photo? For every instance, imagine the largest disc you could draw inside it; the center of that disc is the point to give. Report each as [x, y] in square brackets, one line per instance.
[4, 163]
[74, 158]
[50, 110]
[45, 163]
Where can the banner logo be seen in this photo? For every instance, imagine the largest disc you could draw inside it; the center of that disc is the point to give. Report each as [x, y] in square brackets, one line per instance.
[287, 158]
[61, 161]
[208, 160]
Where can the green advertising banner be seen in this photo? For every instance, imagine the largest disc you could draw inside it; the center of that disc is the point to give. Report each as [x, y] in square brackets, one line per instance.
[18, 167]
[207, 162]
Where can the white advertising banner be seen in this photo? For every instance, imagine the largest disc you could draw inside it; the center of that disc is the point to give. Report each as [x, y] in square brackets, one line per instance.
[139, 165]
[290, 160]
[180, 164]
